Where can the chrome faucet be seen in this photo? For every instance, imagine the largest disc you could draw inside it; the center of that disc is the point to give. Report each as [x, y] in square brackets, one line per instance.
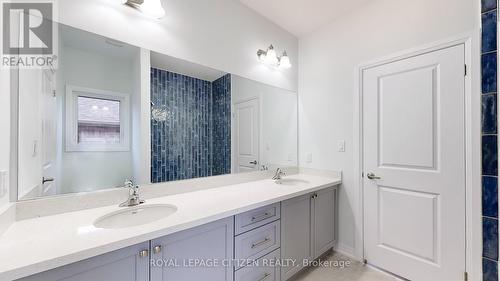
[133, 196]
[278, 175]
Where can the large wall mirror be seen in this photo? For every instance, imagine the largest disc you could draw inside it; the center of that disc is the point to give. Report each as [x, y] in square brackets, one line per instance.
[112, 111]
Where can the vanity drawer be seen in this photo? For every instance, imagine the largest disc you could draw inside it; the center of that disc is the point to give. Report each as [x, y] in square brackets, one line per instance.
[258, 242]
[264, 269]
[255, 218]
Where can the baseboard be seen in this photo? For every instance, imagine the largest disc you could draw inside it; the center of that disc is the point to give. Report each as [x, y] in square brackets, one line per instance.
[346, 251]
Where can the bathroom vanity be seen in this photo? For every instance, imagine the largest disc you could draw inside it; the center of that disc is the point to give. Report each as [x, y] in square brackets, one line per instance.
[256, 221]
[199, 145]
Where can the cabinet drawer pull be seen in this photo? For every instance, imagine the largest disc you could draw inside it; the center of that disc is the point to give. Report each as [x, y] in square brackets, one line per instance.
[261, 217]
[264, 277]
[157, 249]
[143, 253]
[255, 245]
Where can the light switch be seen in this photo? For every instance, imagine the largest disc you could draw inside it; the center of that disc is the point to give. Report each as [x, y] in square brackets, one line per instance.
[341, 146]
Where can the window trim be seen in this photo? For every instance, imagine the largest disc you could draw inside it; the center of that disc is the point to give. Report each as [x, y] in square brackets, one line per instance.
[72, 94]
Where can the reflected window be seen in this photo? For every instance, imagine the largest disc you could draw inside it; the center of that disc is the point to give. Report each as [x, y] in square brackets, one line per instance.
[98, 121]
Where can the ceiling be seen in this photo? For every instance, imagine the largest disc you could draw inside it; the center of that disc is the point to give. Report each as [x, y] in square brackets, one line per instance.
[183, 67]
[90, 42]
[301, 17]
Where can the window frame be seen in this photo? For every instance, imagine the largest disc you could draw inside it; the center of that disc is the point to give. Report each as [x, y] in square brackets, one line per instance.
[72, 94]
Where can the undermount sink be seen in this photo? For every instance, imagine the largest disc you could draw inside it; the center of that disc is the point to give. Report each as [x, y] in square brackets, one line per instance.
[291, 181]
[134, 216]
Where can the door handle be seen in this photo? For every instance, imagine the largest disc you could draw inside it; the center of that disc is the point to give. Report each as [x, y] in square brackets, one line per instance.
[372, 176]
[254, 162]
[44, 180]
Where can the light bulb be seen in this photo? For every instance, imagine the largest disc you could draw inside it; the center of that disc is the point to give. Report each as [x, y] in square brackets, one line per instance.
[285, 61]
[152, 8]
[271, 57]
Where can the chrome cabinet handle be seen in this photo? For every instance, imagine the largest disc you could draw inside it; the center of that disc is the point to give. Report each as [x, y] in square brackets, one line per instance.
[157, 249]
[372, 176]
[264, 277]
[253, 162]
[143, 253]
[261, 217]
[255, 245]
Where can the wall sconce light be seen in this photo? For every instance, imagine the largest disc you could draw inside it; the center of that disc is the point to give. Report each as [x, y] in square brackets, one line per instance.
[270, 57]
[151, 8]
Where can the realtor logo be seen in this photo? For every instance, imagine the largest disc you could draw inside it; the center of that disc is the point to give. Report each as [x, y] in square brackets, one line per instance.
[28, 35]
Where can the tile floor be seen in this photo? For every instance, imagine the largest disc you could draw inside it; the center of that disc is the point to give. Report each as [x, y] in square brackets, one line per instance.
[354, 272]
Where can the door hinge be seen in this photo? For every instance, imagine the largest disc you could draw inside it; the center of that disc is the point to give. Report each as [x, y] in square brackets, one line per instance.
[465, 70]
[362, 174]
[466, 276]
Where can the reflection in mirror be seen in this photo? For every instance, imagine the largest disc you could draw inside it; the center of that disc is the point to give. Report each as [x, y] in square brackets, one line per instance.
[112, 112]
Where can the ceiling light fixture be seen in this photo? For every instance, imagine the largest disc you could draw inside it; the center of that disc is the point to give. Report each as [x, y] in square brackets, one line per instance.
[270, 57]
[151, 8]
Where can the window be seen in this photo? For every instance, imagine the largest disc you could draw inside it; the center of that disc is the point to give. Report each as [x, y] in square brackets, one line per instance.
[96, 120]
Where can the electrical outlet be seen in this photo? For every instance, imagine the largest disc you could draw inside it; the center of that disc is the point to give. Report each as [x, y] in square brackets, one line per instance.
[309, 157]
[341, 146]
[3, 183]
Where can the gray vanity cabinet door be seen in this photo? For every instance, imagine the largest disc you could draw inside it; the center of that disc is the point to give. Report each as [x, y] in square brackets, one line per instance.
[295, 233]
[323, 208]
[123, 265]
[181, 253]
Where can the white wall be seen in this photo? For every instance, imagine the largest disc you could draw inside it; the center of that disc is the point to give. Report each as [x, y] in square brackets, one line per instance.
[84, 171]
[5, 128]
[278, 121]
[328, 62]
[222, 34]
[141, 118]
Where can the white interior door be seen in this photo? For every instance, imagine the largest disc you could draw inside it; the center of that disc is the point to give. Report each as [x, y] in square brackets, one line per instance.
[247, 135]
[48, 109]
[413, 127]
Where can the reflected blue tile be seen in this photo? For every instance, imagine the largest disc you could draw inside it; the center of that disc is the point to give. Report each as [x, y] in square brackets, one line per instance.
[489, 114]
[490, 270]
[489, 31]
[182, 144]
[489, 72]
[487, 5]
[490, 155]
[490, 238]
[490, 196]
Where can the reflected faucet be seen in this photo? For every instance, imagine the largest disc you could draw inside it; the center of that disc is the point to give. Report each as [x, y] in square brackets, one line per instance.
[133, 197]
[278, 175]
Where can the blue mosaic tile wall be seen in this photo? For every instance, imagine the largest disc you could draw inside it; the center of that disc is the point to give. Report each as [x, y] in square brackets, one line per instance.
[489, 130]
[221, 93]
[182, 146]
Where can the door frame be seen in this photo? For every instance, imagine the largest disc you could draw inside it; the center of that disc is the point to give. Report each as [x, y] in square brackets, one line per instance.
[473, 231]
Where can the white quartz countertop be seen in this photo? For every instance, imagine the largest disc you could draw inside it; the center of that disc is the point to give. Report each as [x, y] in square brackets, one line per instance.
[39, 244]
